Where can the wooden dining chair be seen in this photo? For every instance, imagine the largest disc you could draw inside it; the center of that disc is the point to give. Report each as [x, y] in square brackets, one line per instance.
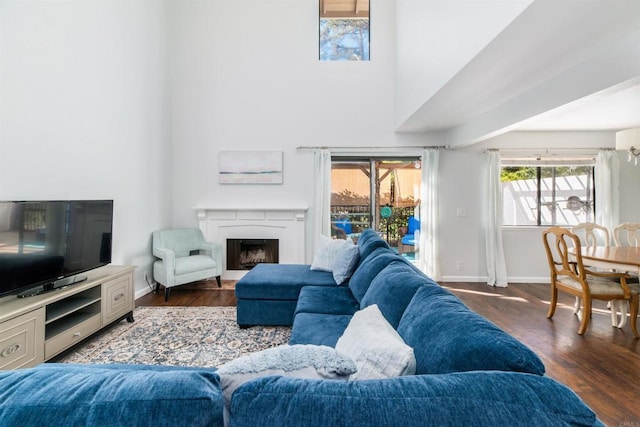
[590, 235]
[569, 275]
[627, 234]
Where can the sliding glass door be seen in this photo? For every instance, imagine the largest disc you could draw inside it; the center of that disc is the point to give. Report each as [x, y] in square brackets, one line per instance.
[377, 193]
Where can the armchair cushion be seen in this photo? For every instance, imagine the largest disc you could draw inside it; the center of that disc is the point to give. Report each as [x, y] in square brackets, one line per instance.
[193, 263]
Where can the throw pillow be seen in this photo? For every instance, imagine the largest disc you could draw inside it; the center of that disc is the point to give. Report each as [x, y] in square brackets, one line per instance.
[325, 253]
[375, 347]
[345, 262]
[301, 361]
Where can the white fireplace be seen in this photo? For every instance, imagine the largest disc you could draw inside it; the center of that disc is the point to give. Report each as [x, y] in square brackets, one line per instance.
[287, 225]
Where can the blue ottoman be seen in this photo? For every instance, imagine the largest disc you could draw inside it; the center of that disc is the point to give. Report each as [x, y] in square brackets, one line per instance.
[268, 294]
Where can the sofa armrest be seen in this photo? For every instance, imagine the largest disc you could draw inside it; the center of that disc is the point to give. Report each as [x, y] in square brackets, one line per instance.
[481, 398]
[105, 395]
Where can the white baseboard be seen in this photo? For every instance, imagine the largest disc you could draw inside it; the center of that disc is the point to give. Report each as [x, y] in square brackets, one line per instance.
[142, 292]
[529, 279]
[463, 279]
[479, 279]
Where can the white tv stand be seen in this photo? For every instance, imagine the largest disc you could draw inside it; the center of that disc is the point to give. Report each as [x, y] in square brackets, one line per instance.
[35, 329]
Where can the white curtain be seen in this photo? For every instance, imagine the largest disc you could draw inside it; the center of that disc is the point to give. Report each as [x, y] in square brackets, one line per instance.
[321, 195]
[428, 254]
[496, 265]
[607, 177]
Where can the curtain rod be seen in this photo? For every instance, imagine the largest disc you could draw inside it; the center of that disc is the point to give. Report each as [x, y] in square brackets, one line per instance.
[374, 148]
[548, 149]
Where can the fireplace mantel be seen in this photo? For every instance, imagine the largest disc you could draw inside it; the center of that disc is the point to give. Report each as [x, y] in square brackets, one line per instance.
[287, 224]
[251, 208]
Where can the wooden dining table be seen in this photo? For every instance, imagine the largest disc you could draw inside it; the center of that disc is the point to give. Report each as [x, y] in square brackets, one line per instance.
[620, 258]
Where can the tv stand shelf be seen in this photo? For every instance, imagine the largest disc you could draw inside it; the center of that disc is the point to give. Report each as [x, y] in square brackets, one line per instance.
[35, 329]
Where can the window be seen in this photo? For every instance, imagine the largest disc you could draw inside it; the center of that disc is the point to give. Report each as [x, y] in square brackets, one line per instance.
[547, 195]
[344, 30]
[374, 193]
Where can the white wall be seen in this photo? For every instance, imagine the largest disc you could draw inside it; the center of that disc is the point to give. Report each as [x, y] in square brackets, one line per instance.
[85, 112]
[436, 39]
[246, 75]
[629, 190]
[133, 100]
[462, 185]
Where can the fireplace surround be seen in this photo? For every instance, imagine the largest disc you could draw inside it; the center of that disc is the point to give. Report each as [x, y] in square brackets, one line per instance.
[285, 224]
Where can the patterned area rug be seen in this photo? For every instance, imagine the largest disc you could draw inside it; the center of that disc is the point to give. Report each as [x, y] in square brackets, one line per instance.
[183, 336]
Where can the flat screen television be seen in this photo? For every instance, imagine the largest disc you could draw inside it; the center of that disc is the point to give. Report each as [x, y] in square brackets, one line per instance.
[46, 245]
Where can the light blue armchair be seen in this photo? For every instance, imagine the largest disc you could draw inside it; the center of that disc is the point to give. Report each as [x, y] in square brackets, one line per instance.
[184, 258]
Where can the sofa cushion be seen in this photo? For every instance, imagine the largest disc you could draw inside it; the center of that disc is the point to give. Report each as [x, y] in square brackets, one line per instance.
[393, 288]
[302, 361]
[448, 337]
[67, 394]
[265, 312]
[368, 269]
[327, 300]
[326, 251]
[318, 329]
[483, 399]
[369, 241]
[375, 346]
[345, 262]
[280, 281]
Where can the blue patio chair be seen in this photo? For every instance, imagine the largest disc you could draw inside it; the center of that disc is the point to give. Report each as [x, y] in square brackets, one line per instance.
[409, 239]
[344, 224]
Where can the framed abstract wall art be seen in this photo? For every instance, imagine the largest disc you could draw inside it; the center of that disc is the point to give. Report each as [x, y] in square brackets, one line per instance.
[250, 167]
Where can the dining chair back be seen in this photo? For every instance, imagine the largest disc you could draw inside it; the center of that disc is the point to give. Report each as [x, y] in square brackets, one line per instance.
[627, 234]
[591, 234]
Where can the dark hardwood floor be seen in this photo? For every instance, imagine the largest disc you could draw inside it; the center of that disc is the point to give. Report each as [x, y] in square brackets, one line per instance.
[602, 367]
[204, 293]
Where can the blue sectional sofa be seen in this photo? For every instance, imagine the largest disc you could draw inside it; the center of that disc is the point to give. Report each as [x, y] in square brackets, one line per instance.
[468, 372]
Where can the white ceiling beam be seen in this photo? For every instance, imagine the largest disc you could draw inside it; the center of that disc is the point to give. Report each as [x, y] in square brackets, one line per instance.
[552, 53]
[615, 68]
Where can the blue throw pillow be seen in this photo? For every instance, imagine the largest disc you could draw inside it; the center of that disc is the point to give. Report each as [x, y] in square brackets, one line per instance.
[345, 262]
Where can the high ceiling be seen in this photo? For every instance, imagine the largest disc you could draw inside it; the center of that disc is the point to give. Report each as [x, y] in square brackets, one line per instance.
[557, 65]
